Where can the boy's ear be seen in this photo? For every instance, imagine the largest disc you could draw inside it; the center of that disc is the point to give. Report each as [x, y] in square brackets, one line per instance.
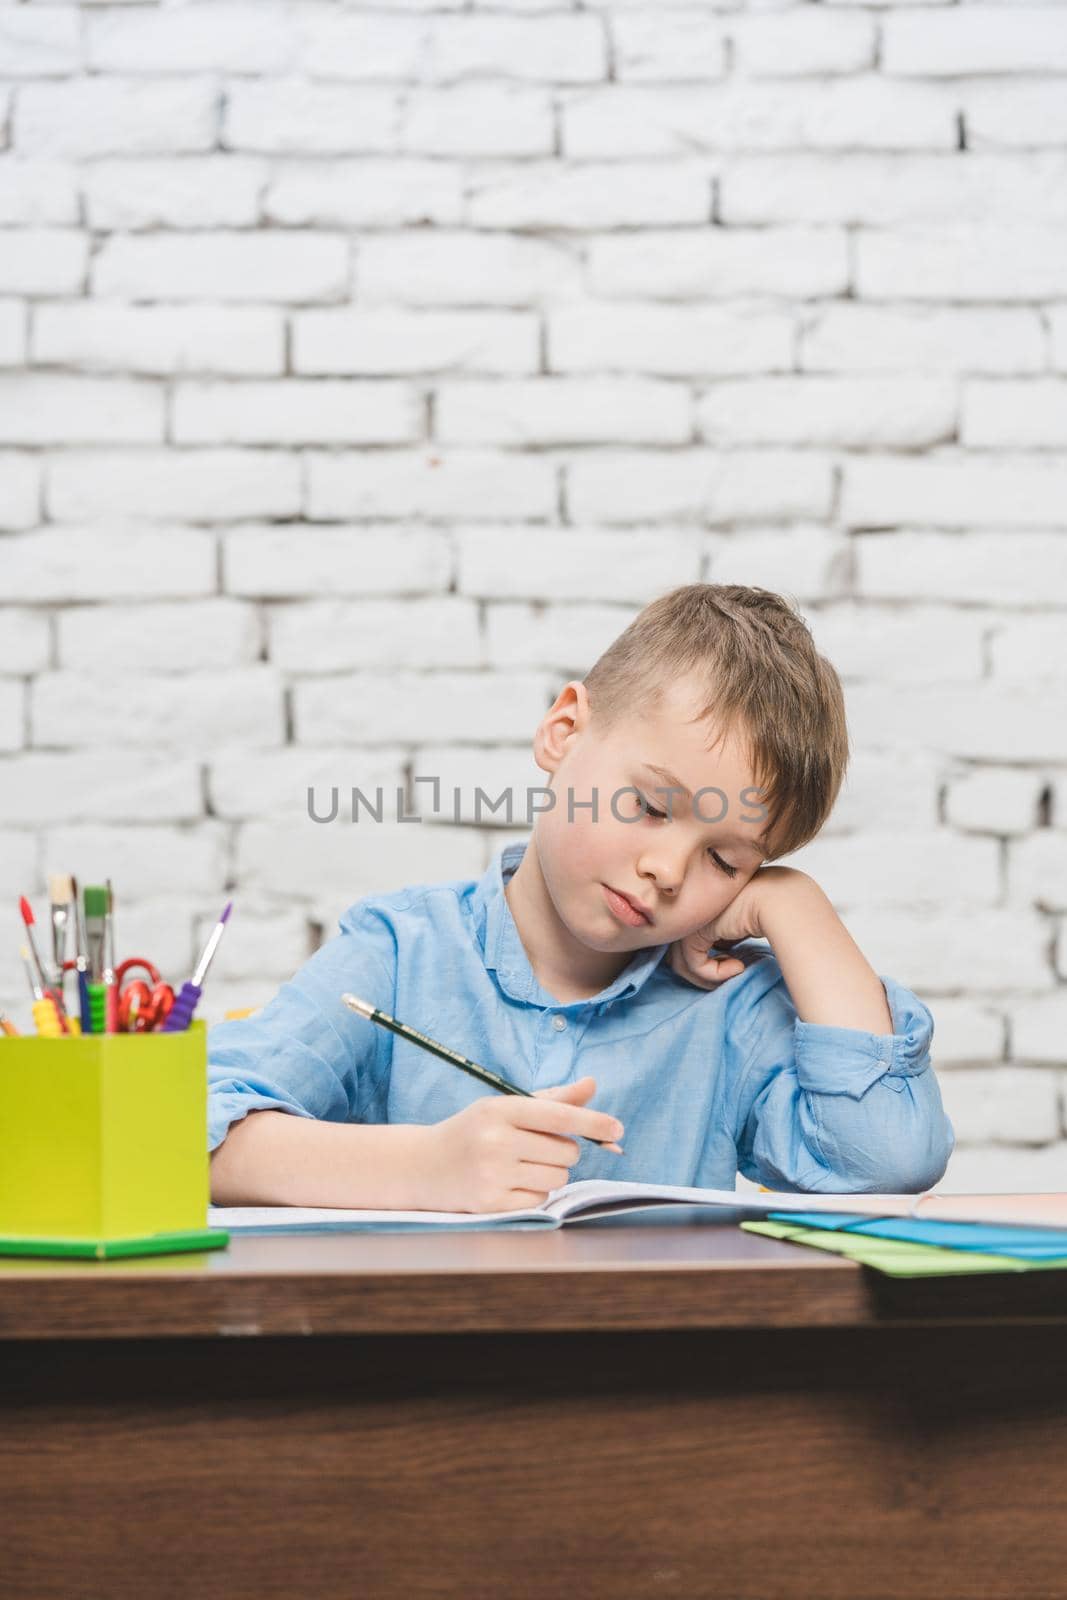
[561, 725]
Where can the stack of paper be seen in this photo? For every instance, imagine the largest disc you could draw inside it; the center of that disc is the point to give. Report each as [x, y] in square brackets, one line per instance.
[925, 1246]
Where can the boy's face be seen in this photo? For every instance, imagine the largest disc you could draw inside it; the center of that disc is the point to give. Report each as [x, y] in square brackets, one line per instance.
[675, 866]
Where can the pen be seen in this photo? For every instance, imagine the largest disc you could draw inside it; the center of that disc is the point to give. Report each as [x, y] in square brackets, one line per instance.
[363, 1008]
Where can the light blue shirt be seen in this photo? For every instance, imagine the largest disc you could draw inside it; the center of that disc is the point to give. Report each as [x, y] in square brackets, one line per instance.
[706, 1082]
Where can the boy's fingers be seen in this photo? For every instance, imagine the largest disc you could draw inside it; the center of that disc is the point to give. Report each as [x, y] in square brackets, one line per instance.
[576, 1093]
[533, 1176]
[552, 1149]
[549, 1116]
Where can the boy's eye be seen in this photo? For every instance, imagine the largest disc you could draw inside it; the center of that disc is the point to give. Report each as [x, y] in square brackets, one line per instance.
[724, 866]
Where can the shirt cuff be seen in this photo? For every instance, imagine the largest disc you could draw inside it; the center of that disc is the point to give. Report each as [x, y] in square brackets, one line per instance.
[223, 1110]
[848, 1061]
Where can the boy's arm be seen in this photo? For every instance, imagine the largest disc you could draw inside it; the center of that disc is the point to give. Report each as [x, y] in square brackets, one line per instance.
[305, 1054]
[836, 1061]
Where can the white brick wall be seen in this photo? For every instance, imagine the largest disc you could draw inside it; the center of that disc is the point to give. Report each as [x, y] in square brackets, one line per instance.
[365, 367]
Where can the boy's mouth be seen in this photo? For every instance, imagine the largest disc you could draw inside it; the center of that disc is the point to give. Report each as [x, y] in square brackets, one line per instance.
[626, 909]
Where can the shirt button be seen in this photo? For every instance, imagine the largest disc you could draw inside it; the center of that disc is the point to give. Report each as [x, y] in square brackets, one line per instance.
[559, 1023]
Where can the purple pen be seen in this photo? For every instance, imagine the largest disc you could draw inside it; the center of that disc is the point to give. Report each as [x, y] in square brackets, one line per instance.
[181, 1013]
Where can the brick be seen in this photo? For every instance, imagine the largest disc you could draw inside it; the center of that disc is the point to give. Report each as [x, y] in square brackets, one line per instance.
[407, 483]
[101, 337]
[346, 636]
[199, 192]
[505, 778]
[882, 189]
[802, 43]
[384, 342]
[151, 637]
[911, 339]
[974, 39]
[854, 413]
[42, 261]
[1057, 317]
[805, 562]
[13, 319]
[1006, 1105]
[111, 786]
[547, 411]
[383, 193]
[559, 49]
[995, 568]
[222, 266]
[143, 861]
[18, 868]
[108, 561]
[113, 116]
[971, 721]
[620, 566]
[288, 116]
[36, 194]
[594, 195]
[635, 486]
[887, 789]
[295, 411]
[291, 560]
[39, 43]
[998, 1169]
[925, 644]
[478, 119]
[1027, 114]
[20, 491]
[962, 263]
[1039, 1027]
[1028, 649]
[1001, 800]
[25, 643]
[956, 490]
[965, 1032]
[664, 45]
[216, 38]
[861, 113]
[993, 953]
[918, 871]
[37, 408]
[381, 709]
[1037, 870]
[12, 714]
[1027, 415]
[682, 265]
[200, 485]
[275, 783]
[73, 709]
[672, 341]
[260, 946]
[334, 866]
[560, 638]
[463, 269]
[364, 48]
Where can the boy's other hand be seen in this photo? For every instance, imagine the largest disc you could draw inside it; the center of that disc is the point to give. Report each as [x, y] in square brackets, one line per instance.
[507, 1152]
[741, 919]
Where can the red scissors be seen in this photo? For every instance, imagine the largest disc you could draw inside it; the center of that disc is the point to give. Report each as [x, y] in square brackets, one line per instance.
[142, 1006]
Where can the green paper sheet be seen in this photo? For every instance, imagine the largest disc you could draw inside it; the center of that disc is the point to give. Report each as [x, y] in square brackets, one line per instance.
[898, 1258]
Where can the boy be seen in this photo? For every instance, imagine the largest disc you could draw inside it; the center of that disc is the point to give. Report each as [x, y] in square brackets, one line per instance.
[708, 740]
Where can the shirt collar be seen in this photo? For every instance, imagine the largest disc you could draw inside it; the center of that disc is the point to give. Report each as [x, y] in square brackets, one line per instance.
[504, 953]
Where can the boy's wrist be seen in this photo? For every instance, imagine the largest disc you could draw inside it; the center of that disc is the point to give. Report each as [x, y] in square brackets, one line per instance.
[783, 896]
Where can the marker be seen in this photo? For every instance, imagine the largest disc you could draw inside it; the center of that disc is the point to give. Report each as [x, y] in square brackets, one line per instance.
[363, 1008]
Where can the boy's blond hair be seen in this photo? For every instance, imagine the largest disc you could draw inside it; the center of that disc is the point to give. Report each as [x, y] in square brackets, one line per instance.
[758, 671]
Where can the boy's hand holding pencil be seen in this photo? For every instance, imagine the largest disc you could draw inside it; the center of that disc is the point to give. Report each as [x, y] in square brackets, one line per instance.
[507, 1152]
[498, 1155]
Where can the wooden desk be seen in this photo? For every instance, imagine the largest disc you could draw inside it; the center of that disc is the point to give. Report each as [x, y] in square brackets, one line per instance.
[608, 1411]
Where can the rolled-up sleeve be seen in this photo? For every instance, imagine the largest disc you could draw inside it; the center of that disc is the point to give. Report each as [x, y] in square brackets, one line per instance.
[305, 1052]
[840, 1110]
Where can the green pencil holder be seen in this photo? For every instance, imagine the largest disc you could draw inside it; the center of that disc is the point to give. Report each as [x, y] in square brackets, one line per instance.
[103, 1144]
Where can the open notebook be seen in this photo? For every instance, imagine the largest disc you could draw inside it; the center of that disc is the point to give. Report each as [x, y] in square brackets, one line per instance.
[576, 1202]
